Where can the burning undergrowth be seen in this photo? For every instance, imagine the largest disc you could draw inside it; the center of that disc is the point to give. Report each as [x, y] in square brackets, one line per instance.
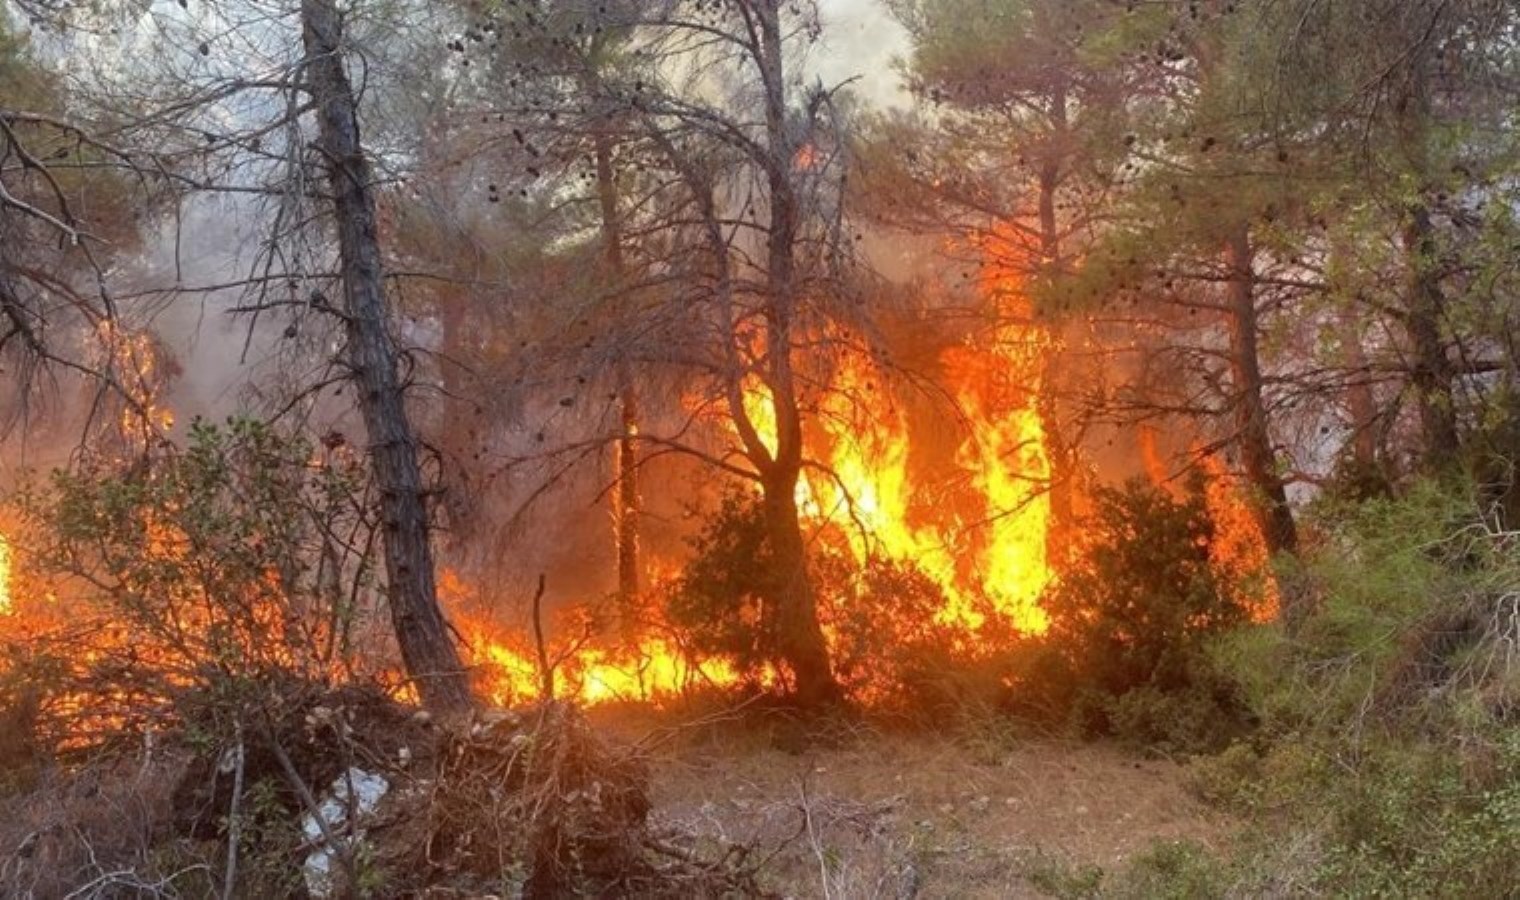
[196, 636]
[221, 604]
[938, 509]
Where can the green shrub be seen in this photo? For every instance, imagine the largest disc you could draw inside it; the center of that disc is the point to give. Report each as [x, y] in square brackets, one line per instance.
[1127, 649]
[1171, 870]
[1388, 763]
[722, 599]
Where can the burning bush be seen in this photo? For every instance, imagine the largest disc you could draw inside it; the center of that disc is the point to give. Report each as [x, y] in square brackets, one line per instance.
[190, 576]
[210, 605]
[722, 599]
[889, 643]
[892, 649]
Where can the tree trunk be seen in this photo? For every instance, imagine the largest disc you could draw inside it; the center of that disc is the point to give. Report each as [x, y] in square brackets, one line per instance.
[1361, 405]
[427, 650]
[1432, 372]
[801, 637]
[625, 498]
[1061, 457]
[1253, 437]
[627, 501]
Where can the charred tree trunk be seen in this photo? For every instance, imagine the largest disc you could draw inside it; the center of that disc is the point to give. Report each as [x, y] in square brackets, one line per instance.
[1252, 434]
[802, 644]
[802, 641]
[1431, 373]
[427, 650]
[625, 498]
[1060, 455]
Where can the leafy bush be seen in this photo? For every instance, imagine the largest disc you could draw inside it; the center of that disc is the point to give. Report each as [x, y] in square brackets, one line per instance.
[722, 600]
[1412, 626]
[1130, 626]
[184, 583]
[1388, 762]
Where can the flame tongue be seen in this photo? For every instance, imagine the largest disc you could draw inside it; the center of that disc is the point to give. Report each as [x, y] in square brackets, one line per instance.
[6, 607]
[989, 547]
[1006, 457]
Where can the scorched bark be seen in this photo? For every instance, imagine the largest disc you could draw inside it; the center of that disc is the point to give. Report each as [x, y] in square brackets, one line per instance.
[427, 650]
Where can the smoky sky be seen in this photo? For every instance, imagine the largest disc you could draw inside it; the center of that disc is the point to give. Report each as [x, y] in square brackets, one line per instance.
[860, 39]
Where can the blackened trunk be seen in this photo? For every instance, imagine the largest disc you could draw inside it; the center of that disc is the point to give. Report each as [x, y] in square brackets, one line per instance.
[801, 639]
[625, 499]
[427, 649]
[801, 636]
[1252, 434]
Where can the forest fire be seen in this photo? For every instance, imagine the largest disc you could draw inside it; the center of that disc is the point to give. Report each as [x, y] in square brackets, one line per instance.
[989, 541]
[1238, 552]
[974, 522]
[509, 670]
[867, 401]
[651, 673]
[6, 607]
[973, 517]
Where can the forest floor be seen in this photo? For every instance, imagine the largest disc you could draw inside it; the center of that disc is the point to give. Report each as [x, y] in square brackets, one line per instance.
[873, 813]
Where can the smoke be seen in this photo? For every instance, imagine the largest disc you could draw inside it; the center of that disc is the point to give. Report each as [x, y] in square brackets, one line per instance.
[861, 40]
[218, 356]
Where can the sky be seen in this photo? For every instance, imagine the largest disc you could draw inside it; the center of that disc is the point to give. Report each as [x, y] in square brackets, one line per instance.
[861, 39]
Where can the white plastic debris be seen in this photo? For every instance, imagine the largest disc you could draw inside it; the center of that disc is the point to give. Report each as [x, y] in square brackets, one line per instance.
[322, 863]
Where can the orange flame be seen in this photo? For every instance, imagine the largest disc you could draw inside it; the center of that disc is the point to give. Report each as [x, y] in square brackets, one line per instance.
[656, 672]
[507, 670]
[6, 605]
[134, 360]
[1239, 553]
[994, 552]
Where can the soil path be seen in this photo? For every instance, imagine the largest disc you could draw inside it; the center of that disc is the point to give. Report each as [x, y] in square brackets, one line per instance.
[897, 816]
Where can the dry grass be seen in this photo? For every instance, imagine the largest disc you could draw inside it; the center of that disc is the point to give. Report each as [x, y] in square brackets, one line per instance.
[895, 815]
[97, 832]
[844, 812]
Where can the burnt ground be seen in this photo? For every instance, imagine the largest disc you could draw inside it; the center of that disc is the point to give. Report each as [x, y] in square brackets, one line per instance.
[890, 814]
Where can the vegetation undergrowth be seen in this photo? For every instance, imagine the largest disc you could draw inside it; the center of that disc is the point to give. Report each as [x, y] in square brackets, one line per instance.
[1385, 760]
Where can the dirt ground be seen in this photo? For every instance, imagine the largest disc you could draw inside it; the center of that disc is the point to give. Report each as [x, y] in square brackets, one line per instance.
[882, 814]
